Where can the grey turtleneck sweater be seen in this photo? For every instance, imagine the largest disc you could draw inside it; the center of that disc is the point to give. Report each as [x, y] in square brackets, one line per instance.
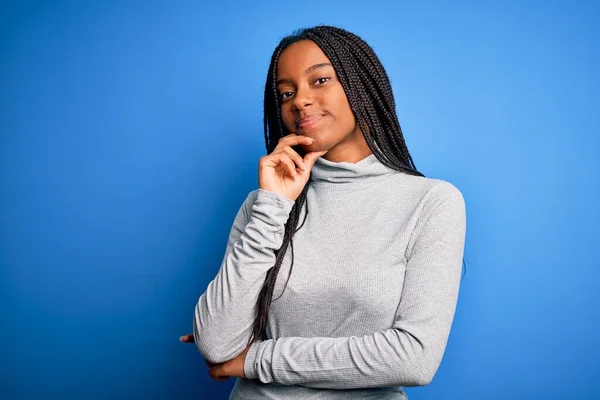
[371, 295]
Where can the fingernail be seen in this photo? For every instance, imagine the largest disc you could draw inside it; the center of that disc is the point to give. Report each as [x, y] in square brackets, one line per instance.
[303, 166]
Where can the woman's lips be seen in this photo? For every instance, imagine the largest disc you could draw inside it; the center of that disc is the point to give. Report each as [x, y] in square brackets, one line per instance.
[308, 121]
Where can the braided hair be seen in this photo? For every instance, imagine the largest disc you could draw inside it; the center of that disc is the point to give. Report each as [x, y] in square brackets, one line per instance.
[370, 96]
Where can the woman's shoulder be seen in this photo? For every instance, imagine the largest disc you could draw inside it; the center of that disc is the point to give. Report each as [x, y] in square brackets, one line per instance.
[426, 187]
[443, 188]
[438, 192]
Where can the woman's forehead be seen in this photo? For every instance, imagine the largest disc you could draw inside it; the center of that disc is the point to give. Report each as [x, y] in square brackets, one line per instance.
[299, 57]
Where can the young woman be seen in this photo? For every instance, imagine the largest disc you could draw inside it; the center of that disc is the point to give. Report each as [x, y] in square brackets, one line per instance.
[341, 273]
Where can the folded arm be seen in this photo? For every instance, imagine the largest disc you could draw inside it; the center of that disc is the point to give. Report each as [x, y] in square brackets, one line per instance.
[407, 354]
[225, 312]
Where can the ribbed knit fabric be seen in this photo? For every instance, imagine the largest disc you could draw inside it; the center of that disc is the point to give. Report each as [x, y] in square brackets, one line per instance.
[372, 293]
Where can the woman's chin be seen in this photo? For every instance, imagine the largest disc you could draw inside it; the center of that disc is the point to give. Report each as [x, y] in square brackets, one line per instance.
[316, 146]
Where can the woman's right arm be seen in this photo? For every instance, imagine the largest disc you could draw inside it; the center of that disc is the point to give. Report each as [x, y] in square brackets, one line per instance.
[225, 313]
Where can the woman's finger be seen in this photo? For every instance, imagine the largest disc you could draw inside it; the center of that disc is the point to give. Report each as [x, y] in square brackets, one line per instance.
[292, 140]
[311, 158]
[286, 162]
[217, 373]
[187, 338]
[293, 155]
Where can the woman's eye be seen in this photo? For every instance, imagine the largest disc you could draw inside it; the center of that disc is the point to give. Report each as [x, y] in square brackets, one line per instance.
[285, 95]
[322, 80]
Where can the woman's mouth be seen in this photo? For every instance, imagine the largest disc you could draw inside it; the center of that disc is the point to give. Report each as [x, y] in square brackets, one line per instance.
[308, 121]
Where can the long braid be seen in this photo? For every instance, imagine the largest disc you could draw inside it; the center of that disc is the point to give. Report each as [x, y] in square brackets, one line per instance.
[375, 68]
[372, 86]
[370, 96]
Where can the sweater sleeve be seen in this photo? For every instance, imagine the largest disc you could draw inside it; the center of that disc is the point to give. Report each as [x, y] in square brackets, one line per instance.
[410, 352]
[225, 312]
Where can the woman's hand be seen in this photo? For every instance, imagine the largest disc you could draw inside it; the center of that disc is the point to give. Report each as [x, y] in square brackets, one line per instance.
[231, 368]
[284, 171]
[227, 369]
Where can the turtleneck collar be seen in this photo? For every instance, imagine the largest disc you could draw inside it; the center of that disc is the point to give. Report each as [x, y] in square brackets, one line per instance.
[346, 172]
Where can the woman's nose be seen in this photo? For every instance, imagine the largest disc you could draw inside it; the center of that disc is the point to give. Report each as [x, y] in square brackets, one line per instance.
[304, 98]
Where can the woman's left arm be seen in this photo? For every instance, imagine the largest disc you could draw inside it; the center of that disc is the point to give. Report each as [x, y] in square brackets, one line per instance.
[409, 353]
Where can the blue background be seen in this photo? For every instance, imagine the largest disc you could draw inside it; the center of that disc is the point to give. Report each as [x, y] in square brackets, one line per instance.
[130, 134]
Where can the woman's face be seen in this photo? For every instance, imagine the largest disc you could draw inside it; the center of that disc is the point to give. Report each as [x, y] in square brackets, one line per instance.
[314, 104]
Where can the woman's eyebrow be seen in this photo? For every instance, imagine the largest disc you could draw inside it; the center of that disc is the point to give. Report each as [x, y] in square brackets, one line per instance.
[306, 71]
[316, 66]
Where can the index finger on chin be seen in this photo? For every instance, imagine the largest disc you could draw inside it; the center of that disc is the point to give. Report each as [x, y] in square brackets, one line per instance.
[293, 139]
